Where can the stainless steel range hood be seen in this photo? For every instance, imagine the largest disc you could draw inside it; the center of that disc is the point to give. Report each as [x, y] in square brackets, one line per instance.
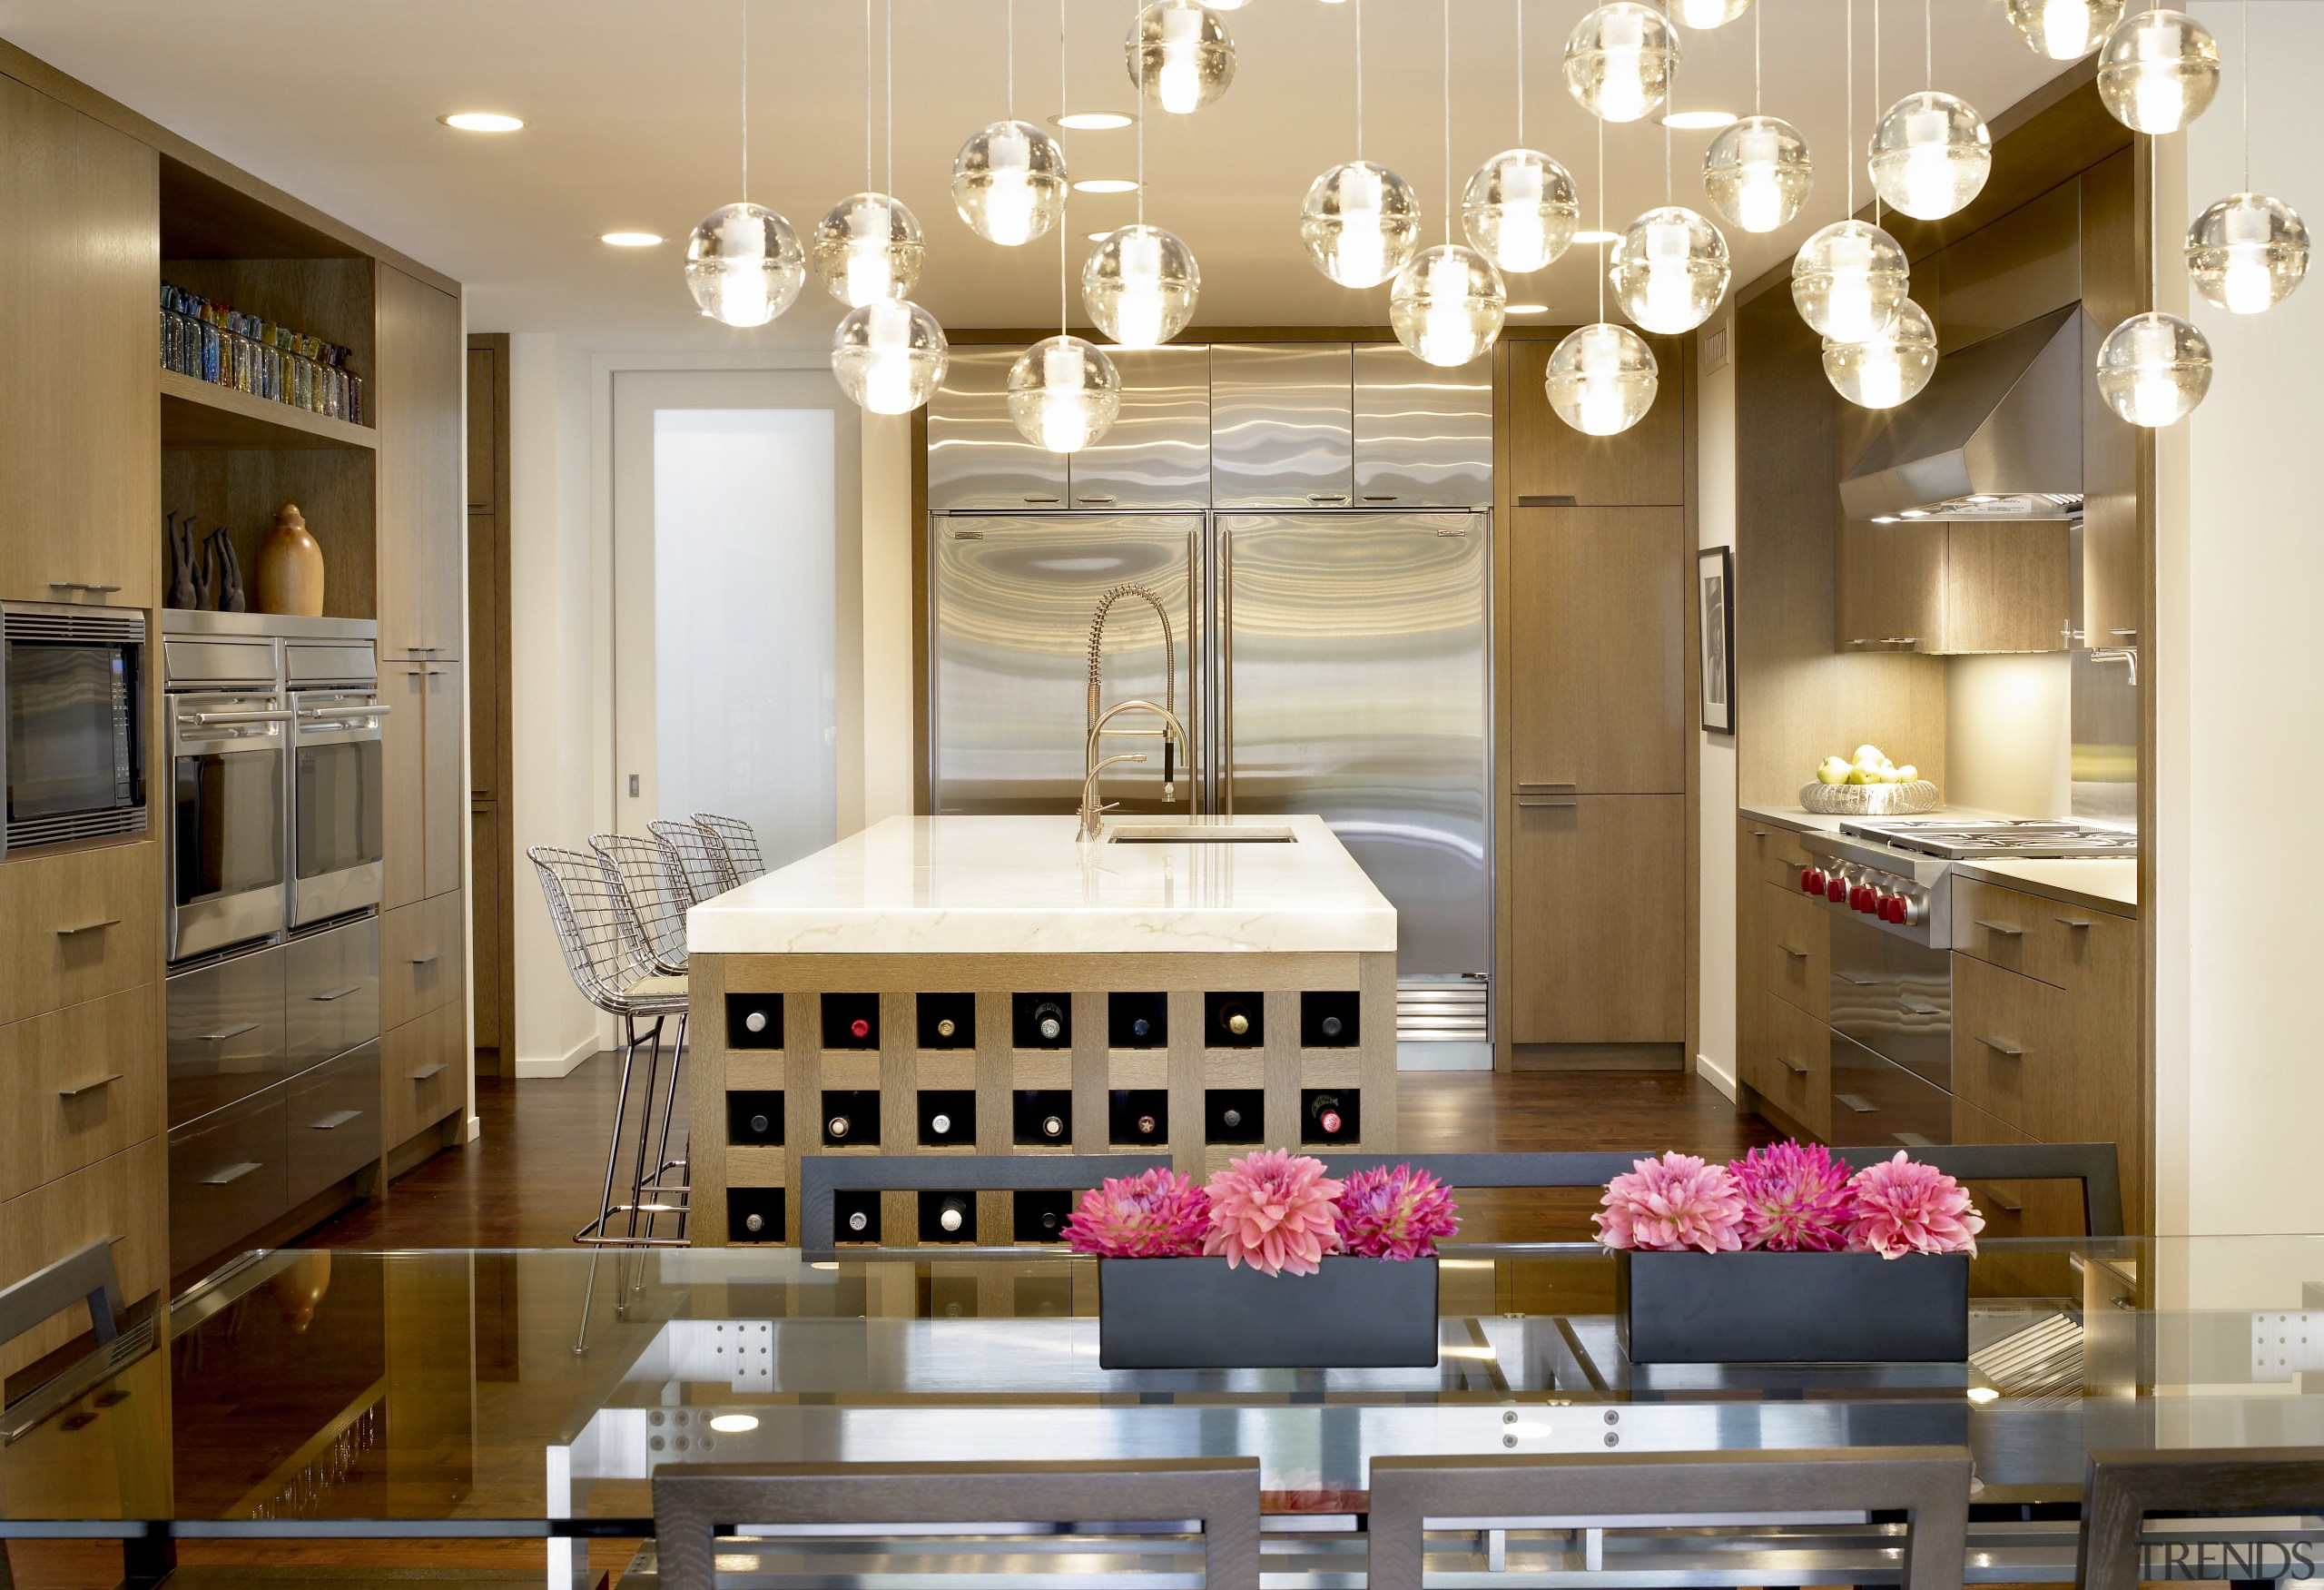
[1997, 434]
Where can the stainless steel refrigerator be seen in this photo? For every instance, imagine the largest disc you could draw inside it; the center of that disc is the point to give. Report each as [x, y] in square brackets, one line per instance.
[1309, 517]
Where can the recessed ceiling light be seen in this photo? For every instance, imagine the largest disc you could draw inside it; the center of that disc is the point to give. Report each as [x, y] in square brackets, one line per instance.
[1105, 186]
[1688, 121]
[1529, 309]
[1098, 237]
[1597, 237]
[733, 1424]
[1091, 121]
[630, 239]
[482, 122]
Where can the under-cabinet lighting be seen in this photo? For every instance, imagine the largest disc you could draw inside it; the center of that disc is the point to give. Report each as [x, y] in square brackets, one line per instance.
[1091, 121]
[1105, 186]
[1529, 309]
[735, 1424]
[630, 239]
[482, 122]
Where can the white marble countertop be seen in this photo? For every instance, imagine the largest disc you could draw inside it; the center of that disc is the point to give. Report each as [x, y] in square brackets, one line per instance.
[2099, 883]
[996, 885]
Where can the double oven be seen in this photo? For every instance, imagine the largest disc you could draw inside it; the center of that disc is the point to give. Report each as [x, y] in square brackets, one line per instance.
[274, 738]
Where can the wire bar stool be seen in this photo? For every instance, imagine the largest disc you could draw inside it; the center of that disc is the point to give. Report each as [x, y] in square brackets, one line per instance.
[739, 840]
[596, 928]
[652, 882]
[708, 872]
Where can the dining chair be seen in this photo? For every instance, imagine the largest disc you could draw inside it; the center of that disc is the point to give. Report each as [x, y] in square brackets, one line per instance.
[2096, 1166]
[1930, 1485]
[654, 894]
[703, 858]
[696, 1504]
[603, 954]
[86, 1276]
[739, 840]
[2121, 1488]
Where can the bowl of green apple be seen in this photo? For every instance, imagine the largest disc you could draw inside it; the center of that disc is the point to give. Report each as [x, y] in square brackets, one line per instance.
[1867, 785]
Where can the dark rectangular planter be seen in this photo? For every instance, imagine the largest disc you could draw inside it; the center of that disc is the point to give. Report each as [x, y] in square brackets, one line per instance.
[1792, 1307]
[1198, 1313]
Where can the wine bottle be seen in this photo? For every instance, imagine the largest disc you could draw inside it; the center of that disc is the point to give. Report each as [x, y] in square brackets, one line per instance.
[859, 1222]
[952, 1215]
[1231, 1118]
[1333, 1026]
[1140, 1027]
[1146, 1125]
[1049, 1021]
[836, 1127]
[859, 1029]
[940, 1124]
[1053, 1126]
[1325, 1111]
[944, 1028]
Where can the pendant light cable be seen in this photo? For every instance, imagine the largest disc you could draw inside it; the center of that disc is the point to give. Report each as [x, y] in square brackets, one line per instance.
[1008, 36]
[2243, 16]
[1875, 103]
[1601, 219]
[1928, 38]
[1065, 205]
[746, 9]
[888, 95]
[1521, 73]
[1359, 79]
[1851, 104]
[867, 93]
[1136, 11]
[1448, 205]
[1759, 36]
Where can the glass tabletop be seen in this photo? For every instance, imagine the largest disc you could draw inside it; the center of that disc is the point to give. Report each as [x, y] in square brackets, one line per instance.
[533, 1393]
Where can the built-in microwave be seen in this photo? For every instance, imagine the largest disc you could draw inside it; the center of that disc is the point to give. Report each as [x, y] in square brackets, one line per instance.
[71, 722]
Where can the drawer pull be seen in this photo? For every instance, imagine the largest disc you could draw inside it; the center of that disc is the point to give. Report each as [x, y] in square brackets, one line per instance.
[2002, 927]
[89, 1087]
[1546, 500]
[1861, 1105]
[1999, 1200]
[334, 1121]
[422, 1076]
[231, 1173]
[223, 1033]
[81, 585]
[1913, 1007]
[1786, 949]
[67, 932]
[1759, 833]
[427, 960]
[1546, 787]
[2079, 923]
[2001, 1047]
[331, 993]
[1563, 805]
[1913, 1140]
[1791, 1065]
[1859, 981]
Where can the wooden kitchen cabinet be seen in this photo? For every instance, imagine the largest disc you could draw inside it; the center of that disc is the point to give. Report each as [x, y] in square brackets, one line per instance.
[119, 1199]
[78, 924]
[80, 420]
[423, 1073]
[1644, 466]
[444, 787]
[1597, 649]
[1598, 953]
[1891, 587]
[424, 788]
[1950, 589]
[1793, 1072]
[423, 511]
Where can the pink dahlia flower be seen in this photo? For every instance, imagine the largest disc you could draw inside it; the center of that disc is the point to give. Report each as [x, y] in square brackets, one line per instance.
[1671, 1204]
[1905, 1207]
[1396, 1213]
[1156, 1215]
[1273, 1210]
[1796, 1199]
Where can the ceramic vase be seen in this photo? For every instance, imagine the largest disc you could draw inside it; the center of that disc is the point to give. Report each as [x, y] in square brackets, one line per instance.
[290, 567]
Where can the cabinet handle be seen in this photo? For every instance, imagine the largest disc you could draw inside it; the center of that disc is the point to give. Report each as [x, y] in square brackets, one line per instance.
[1858, 982]
[1098, 500]
[1382, 497]
[336, 992]
[1328, 497]
[1527, 800]
[104, 1081]
[424, 650]
[223, 1033]
[1861, 1105]
[1546, 500]
[1791, 1065]
[2004, 929]
[67, 932]
[2077, 922]
[1546, 787]
[2000, 1046]
[1998, 1199]
[1913, 1007]
[1041, 499]
[427, 960]
[79, 584]
[231, 1173]
[422, 1076]
[1759, 833]
[1786, 949]
[334, 1121]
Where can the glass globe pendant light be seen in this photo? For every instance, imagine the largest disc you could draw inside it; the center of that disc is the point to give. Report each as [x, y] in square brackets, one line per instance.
[1889, 369]
[1520, 210]
[2247, 253]
[1709, 14]
[867, 247]
[1009, 182]
[1063, 393]
[2158, 70]
[1447, 304]
[1360, 220]
[889, 355]
[1618, 64]
[1931, 154]
[744, 263]
[2153, 369]
[1179, 55]
[1848, 279]
[1602, 378]
[1139, 286]
[1670, 270]
[1758, 173]
[2063, 30]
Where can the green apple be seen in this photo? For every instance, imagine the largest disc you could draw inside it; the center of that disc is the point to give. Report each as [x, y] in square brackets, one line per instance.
[1859, 775]
[1871, 754]
[1833, 771]
[1907, 773]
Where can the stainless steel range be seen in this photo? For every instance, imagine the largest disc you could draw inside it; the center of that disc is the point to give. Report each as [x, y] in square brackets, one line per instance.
[1954, 839]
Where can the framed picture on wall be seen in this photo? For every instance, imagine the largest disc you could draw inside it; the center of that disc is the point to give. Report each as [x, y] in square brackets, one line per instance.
[1715, 598]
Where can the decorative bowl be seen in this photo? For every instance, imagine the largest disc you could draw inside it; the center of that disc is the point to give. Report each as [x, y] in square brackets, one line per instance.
[1870, 800]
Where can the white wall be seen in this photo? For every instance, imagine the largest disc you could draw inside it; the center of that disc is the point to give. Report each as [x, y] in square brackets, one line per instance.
[1714, 934]
[2239, 1086]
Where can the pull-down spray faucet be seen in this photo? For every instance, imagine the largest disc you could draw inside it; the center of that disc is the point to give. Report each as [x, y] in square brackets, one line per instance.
[1169, 675]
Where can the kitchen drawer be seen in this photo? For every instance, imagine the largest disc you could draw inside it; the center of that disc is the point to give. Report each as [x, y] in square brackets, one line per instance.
[225, 1033]
[78, 925]
[117, 1200]
[333, 1121]
[1772, 852]
[78, 1085]
[1795, 1073]
[420, 958]
[229, 1175]
[1878, 1103]
[2013, 1209]
[2063, 944]
[1797, 964]
[330, 992]
[423, 1074]
[2006, 1036]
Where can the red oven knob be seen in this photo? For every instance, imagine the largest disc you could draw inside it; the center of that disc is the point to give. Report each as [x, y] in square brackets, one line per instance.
[1836, 889]
[1811, 881]
[1892, 908]
[1866, 897]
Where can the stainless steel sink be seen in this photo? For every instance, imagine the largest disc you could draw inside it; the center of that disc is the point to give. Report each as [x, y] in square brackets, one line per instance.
[1199, 834]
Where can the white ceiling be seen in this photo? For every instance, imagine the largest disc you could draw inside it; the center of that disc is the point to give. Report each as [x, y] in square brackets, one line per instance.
[633, 109]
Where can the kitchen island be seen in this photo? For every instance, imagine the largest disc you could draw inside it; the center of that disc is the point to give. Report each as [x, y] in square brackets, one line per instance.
[993, 985]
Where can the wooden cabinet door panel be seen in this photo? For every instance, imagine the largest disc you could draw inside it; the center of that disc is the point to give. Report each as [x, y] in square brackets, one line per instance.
[1645, 465]
[1797, 1076]
[445, 786]
[423, 511]
[1599, 955]
[120, 1200]
[78, 925]
[483, 396]
[1597, 649]
[1891, 587]
[423, 1073]
[2008, 1056]
[1797, 964]
[79, 1085]
[402, 779]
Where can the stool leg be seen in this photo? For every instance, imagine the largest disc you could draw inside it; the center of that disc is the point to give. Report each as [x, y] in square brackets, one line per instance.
[644, 1124]
[669, 1108]
[613, 1143]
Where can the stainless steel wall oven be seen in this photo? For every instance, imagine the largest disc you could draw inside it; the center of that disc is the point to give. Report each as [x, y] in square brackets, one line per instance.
[72, 731]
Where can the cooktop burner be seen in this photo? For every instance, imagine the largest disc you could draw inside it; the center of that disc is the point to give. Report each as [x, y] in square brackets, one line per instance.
[1953, 840]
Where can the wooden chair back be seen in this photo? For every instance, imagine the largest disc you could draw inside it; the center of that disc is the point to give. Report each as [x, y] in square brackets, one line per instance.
[2121, 1488]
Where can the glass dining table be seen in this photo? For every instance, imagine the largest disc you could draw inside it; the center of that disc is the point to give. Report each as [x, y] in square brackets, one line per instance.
[342, 1394]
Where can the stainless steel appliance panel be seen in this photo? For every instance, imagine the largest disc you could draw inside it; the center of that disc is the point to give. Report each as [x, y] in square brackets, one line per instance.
[338, 820]
[72, 684]
[1893, 996]
[1282, 425]
[228, 1176]
[1877, 1102]
[332, 1122]
[228, 851]
[316, 664]
[225, 1031]
[1424, 436]
[330, 992]
[1157, 453]
[976, 456]
[1356, 686]
[1009, 613]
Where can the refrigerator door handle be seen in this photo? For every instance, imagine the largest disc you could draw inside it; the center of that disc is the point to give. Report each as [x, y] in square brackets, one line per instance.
[1225, 670]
